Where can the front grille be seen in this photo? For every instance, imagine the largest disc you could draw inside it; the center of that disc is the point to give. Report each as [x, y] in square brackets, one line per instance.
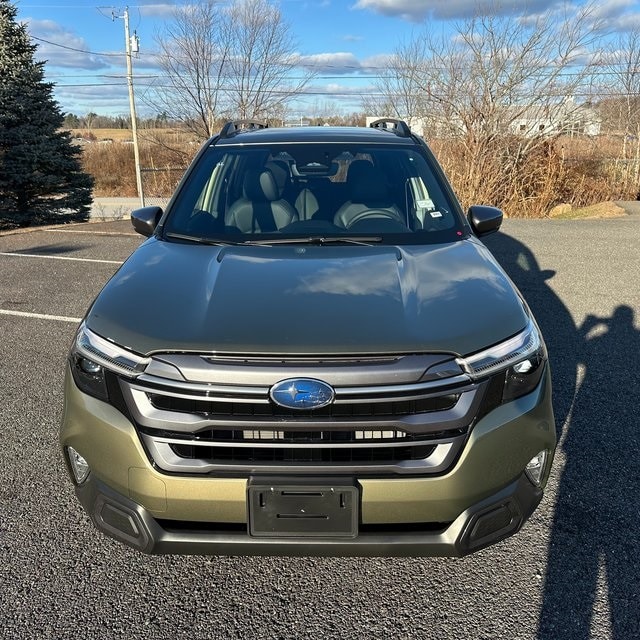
[252, 409]
[211, 425]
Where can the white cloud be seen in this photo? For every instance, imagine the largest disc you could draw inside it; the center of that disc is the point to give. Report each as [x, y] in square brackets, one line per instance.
[330, 63]
[618, 15]
[164, 10]
[146, 62]
[103, 99]
[336, 90]
[630, 22]
[419, 10]
[607, 9]
[65, 49]
[343, 63]
[377, 62]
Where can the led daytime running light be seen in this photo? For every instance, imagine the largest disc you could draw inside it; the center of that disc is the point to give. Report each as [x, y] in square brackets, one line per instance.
[503, 355]
[107, 354]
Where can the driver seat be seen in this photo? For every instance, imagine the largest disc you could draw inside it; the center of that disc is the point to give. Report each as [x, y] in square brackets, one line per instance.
[367, 189]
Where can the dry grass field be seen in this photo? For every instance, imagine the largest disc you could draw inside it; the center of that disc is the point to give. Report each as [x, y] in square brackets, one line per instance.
[116, 135]
[108, 156]
[124, 135]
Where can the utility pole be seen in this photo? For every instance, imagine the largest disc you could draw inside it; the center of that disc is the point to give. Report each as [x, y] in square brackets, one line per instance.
[132, 106]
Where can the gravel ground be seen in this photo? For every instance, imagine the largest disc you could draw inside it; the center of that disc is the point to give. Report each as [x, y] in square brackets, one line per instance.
[570, 574]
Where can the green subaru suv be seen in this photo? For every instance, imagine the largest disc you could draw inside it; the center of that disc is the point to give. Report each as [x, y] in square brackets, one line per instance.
[311, 354]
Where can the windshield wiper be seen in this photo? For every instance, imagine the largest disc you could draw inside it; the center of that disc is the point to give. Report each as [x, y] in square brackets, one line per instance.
[320, 240]
[198, 239]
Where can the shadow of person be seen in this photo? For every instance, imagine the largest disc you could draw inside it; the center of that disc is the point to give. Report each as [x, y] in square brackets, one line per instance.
[596, 526]
[552, 315]
[595, 535]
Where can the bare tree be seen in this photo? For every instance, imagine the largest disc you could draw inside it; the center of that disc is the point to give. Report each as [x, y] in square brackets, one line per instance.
[223, 61]
[499, 90]
[621, 106]
[193, 61]
[262, 56]
[400, 90]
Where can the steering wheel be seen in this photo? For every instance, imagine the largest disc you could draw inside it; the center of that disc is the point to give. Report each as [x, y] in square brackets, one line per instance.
[374, 213]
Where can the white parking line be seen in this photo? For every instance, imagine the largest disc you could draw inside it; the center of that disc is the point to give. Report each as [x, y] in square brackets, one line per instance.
[40, 316]
[95, 233]
[35, 255]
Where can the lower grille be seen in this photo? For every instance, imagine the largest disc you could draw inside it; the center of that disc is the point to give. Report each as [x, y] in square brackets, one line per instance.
[303, 447]
[302, 456]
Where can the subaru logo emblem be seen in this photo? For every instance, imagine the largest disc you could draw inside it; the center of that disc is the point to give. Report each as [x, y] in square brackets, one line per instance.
[302, 393]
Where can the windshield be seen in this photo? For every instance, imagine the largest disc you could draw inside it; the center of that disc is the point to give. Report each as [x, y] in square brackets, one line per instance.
[314, 192]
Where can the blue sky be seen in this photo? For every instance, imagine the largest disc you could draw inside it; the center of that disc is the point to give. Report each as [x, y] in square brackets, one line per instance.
[344, 39]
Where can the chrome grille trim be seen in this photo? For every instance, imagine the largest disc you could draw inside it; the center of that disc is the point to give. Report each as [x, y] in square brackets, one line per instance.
[199, 391]
[147, 415]
[252, 444]
[388, 416]
[230, 393]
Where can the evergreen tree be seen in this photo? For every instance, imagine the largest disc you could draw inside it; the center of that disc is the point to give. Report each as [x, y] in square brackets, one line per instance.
[41, 178]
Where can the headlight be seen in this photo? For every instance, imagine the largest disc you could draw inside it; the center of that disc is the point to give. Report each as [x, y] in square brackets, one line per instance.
[91, 355]
[518, 363]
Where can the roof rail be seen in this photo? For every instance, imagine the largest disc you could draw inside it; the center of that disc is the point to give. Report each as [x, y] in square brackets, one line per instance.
[399, 127]
[241, 125]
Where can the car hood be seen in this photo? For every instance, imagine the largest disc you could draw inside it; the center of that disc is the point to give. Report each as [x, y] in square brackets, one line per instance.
[308, 300]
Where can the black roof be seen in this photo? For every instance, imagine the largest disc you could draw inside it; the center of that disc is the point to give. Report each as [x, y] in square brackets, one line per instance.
[314, 134]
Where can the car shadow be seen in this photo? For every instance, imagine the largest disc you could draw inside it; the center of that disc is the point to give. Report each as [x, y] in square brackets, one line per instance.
[551, 313]
[595, 532]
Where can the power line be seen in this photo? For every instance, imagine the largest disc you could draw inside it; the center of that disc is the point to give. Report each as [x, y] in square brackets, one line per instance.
[93, 53]
[359, 93]
[320, 65]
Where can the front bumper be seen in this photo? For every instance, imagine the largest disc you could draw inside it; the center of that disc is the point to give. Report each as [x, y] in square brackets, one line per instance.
[485, 523]
[485, 497]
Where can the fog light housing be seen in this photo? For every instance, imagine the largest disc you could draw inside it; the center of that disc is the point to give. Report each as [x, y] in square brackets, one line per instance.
[79, 466]
[536, 466]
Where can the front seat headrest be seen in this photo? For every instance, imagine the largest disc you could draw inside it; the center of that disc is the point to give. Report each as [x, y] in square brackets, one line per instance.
[260, 186]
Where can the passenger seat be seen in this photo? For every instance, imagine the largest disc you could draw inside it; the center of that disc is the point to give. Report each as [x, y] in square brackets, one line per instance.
[261, 209]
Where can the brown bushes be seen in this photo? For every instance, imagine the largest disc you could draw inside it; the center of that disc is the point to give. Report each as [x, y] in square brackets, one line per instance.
[529, 182]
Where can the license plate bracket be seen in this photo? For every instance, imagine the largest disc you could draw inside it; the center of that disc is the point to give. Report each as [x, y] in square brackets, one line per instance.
[280, 508]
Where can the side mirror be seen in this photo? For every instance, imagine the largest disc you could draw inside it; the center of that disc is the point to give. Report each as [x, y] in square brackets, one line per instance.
[145, 220]
[484, 220]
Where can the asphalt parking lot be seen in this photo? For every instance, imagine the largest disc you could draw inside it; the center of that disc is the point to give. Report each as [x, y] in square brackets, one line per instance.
[571, 574]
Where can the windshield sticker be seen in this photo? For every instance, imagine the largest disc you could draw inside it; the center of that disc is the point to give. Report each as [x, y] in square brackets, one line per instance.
[426, 204]
[435, 214]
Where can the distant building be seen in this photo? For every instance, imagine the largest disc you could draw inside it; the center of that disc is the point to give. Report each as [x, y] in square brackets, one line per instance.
[301, 122]
[567, 118]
